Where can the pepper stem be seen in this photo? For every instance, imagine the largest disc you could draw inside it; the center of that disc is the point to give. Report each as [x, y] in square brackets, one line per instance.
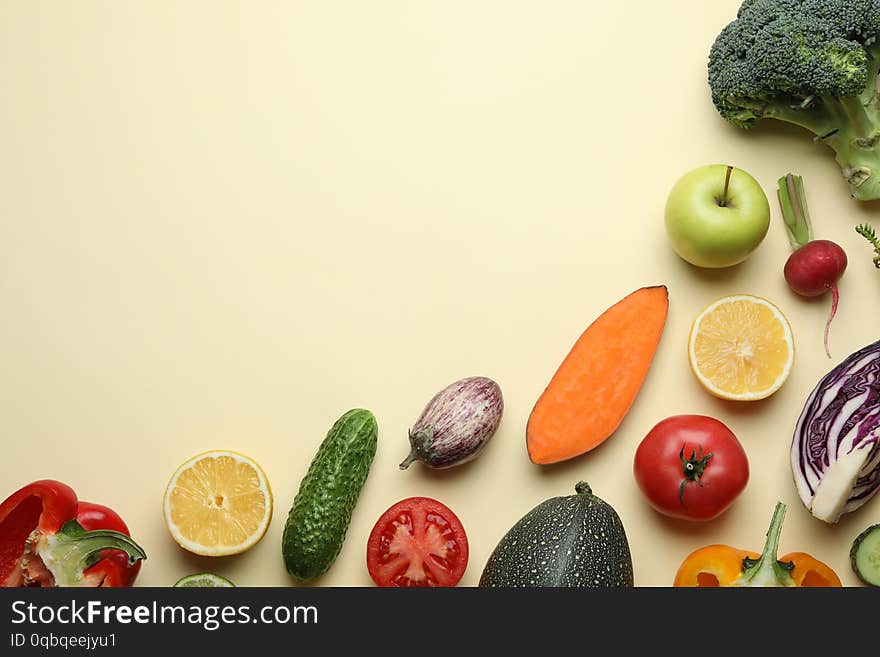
[793, 203]
[767, 570]
[73, 550]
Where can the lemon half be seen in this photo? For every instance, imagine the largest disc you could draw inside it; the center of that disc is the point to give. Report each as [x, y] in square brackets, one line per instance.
[741, 348]
[218, 503]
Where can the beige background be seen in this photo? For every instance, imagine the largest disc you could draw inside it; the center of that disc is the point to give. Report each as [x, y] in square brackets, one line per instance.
[222, 224]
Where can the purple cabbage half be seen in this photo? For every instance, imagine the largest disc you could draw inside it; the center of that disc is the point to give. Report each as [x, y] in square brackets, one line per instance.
[835, 453]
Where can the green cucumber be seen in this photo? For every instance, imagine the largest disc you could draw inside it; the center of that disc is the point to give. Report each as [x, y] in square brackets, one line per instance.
[322, 509]
[865, 555]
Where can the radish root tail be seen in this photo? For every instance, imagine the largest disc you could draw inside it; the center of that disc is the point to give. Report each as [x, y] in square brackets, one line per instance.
[835, 299]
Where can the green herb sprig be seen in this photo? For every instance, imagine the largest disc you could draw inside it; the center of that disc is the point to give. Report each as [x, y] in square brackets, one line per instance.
[869, 234]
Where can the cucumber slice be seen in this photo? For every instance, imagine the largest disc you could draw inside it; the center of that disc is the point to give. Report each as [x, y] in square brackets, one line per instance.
[865, 556]
[204, 581]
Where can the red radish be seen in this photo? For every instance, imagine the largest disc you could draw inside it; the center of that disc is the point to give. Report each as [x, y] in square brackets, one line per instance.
[816, 265]
[813, 270]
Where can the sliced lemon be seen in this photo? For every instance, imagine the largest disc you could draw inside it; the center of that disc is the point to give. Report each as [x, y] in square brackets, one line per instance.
[218, 503]
[741, 348]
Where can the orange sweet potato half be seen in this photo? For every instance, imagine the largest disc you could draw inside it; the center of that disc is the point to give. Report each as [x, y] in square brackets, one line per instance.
[598, 381]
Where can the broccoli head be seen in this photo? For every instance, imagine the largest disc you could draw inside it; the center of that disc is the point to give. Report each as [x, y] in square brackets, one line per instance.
[813, 63]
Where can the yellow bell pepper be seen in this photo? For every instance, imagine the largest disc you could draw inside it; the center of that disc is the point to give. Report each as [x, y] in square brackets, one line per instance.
[722, 565]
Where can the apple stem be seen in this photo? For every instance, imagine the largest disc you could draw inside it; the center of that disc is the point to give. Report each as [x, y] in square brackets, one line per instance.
[726, 186]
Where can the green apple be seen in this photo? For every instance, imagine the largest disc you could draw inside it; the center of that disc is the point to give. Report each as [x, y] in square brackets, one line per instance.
[716, 216]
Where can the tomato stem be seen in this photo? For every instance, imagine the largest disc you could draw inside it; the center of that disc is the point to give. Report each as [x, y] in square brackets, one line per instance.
[692, 468]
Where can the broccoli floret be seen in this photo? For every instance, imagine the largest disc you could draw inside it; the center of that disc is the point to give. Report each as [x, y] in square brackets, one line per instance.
[813, 63]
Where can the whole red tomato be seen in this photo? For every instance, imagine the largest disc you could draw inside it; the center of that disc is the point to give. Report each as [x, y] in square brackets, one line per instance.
[691, 467]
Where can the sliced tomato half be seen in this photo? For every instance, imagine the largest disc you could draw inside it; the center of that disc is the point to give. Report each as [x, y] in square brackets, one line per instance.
[417, 542]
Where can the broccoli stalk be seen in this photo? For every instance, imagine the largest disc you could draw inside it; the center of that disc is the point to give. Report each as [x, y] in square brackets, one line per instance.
[813, 63]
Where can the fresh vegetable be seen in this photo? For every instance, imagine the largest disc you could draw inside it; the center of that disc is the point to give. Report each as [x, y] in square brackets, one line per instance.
[321, 511]
[812, 63]
[835, 451]
[574, 541]
[50, 538]
[813, 270]
[741, 348]
[722, 565]
[417, 542]
[865, 555]
[869, 234]
[456, 424]
[691, 467]
[598, 381]
[203, 581]
[218, 503]
[716, 216]
[816, 265]
[116, 568]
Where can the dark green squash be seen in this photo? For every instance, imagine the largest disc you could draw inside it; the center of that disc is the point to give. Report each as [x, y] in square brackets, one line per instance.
[576, 541]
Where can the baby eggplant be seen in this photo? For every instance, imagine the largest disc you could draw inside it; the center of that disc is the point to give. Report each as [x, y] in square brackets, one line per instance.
[456, 424]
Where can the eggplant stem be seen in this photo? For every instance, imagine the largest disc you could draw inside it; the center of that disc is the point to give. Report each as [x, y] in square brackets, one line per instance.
[410, 459]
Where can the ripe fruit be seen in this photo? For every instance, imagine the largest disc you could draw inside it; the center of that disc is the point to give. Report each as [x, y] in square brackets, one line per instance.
[218, 503]
[716, 216]
[741, 348]
[691, 467]
[417, 542]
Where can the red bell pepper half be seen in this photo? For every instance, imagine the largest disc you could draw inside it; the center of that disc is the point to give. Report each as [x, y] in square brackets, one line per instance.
[49, 538]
